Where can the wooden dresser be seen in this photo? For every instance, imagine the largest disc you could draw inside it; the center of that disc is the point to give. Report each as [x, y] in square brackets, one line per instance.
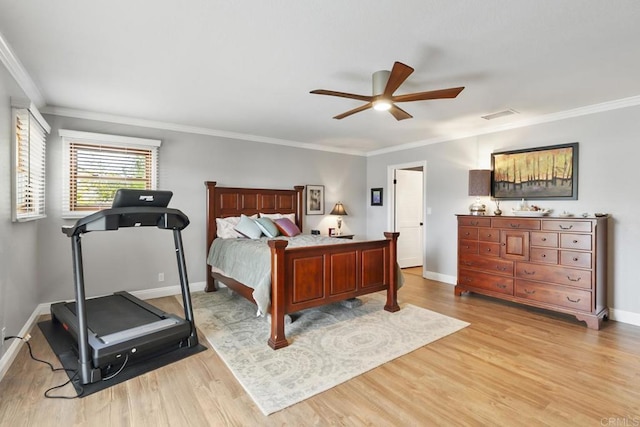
[558, 264]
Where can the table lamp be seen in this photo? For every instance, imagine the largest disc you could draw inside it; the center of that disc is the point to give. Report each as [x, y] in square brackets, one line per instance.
[338, 209]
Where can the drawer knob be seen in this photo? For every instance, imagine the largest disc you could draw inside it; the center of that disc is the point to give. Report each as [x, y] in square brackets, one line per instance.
[565, 228]
[530, 273]
[488, 249]
[531, 292]
[467, 233]
[575, 241]
[574, 301]
[575, 258]
[544, 239]
[544, 255]
[501, 286]
[467, 263]
[514, 225]
[474, 223]
[573, 280]
[501, 268]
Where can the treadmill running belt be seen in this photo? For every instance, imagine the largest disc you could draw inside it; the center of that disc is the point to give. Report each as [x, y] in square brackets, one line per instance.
[114, 313]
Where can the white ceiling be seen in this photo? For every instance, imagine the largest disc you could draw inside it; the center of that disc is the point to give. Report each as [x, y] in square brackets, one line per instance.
[244, 69]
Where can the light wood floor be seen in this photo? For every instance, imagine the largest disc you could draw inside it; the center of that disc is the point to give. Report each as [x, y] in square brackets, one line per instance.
[512, 366]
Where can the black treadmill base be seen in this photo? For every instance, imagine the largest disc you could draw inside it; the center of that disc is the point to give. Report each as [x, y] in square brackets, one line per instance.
[65, 349]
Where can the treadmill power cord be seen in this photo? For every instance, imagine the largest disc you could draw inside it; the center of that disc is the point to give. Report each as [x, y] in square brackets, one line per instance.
[53, 369]
[126, 359]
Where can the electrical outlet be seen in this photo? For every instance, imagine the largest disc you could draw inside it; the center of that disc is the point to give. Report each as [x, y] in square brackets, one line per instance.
[160, 277]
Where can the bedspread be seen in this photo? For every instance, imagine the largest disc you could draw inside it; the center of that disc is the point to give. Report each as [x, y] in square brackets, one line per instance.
[249, 261]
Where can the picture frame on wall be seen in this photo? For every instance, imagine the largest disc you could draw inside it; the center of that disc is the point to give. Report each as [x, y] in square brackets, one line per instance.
[315, 199]
[376, 197]
[536, 173]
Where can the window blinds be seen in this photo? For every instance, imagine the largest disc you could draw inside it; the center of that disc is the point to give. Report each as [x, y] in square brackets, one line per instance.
[29, 166]
[97, 165]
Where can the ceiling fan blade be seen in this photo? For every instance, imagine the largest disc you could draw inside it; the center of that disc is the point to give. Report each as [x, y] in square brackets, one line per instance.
[342, 95]
[355, 110]
[433, 94]
[399, 74]
[399, 113]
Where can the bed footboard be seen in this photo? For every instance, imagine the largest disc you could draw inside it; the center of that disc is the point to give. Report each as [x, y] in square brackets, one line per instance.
[308, 277]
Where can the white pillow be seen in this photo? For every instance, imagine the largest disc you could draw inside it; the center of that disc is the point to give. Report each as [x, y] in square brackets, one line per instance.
[225, 227]
[290, 216]
[248, 227]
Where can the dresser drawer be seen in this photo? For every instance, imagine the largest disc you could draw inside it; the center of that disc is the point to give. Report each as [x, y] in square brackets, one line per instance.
[564, 225]
[474, 221]
[489, 282]
[488, 235]
[549, 240]
[554, 274]
[488, 264]
[576, 241]
[576, 259]
[468, 247]
[489, 249]
[468, 233]
[516, 223]
[575, 299]
[547, 256]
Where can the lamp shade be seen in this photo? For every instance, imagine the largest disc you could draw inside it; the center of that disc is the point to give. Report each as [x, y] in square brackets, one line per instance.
[338, 209]
[480, 182]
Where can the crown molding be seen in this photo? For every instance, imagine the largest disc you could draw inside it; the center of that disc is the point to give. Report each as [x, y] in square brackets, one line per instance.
[13, 64]
[632, 101]
[110, 118]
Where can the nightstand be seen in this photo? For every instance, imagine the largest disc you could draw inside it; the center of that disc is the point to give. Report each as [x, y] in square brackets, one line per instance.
[344, 236]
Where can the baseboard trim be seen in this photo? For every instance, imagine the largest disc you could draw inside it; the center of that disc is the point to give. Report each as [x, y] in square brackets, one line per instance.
[624, 316]
[12, 352]
[432, 275]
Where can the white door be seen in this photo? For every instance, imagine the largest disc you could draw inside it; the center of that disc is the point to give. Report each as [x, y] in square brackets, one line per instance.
[409, 217]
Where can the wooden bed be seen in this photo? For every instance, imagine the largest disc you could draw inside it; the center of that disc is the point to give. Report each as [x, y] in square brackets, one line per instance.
[303, 277]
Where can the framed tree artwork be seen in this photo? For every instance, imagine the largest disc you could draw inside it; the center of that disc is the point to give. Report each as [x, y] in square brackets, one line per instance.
[536, 173]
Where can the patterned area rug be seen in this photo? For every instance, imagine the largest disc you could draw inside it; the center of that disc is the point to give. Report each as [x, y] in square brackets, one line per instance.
[327, 346]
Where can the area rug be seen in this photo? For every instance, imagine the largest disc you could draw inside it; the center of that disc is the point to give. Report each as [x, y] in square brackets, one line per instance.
[327, 346]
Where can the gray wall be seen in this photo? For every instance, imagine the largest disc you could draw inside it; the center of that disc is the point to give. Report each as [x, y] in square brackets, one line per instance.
[131, 259]
[608, 163]
[18, 254]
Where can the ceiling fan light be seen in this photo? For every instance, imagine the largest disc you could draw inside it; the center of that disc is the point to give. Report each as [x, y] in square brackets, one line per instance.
[381, 105]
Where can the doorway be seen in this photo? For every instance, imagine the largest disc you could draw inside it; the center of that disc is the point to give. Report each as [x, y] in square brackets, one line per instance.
[407, 183]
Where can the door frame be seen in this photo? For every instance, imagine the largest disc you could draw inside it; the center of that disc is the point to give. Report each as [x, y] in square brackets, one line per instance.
[391, 209]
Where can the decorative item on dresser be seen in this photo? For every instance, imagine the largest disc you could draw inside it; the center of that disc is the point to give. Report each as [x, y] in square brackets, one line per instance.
[557, 264]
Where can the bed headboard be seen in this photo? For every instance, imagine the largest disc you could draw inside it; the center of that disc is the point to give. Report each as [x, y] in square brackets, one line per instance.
[232, 201]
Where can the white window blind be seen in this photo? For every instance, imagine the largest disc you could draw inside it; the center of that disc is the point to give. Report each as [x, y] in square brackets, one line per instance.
[29, 161]
[97, 165]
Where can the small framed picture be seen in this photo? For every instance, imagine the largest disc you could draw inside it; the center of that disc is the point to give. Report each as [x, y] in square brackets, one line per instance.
[332, 231]
[315, 199]
[376, 197]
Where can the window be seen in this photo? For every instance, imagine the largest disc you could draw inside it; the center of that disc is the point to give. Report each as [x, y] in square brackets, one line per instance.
[96, 165]
[29, 159]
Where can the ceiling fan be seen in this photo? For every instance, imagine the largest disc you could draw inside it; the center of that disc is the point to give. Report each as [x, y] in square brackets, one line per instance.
[385, 83]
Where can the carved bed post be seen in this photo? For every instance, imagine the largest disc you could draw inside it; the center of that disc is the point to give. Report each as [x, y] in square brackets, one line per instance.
[211, 232]
[392, 291]
[277, 339]
[300, 208]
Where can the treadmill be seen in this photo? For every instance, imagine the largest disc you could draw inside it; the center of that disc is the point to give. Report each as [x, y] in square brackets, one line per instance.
[119, 329]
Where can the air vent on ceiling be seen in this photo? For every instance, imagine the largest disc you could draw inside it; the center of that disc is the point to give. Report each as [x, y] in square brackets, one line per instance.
[508, 112]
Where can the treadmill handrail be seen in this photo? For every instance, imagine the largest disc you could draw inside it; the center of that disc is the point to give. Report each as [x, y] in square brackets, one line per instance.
[133, 216]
